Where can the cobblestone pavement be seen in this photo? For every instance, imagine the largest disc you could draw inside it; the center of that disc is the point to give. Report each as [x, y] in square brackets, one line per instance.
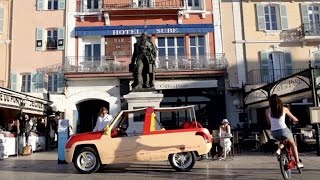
[257, 166]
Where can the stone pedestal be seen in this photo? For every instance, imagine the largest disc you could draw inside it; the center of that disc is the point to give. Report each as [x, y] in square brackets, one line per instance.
[138, 100]
[143, 99]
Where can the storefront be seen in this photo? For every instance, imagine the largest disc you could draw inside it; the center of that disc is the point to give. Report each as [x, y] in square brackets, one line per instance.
[12, 105]
[296, 92]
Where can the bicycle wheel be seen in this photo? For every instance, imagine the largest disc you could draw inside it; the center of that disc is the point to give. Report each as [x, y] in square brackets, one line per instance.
[285, 171]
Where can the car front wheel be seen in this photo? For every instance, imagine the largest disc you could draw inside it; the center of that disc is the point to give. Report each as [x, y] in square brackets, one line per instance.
[87, 161]
[183, 161]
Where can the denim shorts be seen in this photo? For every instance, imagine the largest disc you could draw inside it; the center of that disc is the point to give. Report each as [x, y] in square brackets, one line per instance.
[282, 133]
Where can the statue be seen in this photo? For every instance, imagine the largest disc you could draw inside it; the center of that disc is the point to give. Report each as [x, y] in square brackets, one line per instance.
[143, 64]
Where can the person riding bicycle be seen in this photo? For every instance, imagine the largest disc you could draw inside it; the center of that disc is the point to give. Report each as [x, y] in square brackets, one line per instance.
[275, 115]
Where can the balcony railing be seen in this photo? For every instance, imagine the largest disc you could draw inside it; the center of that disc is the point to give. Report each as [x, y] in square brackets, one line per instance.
[310, 29]
[257, 76]
[82, 5]
[163, 63]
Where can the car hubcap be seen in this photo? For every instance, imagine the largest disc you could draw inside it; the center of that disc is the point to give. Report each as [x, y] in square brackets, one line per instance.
[182, 160]
[86, 161]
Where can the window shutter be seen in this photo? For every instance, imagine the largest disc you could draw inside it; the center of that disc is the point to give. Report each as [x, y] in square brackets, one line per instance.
[284, 17]
[40, 82]
[261, 17]
[288, 63]
[62, 4]
[100, 4]
[1, 20]
[33, 87]
[201, 4]
[316, 58]
[305, 16]
[13, 81]
[60, 88]
[40, 5]
[61, 38]
[264, 63]
[39, 39]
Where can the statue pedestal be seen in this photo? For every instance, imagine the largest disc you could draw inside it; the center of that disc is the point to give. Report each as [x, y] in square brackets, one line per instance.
[138, 100]
[143, 99]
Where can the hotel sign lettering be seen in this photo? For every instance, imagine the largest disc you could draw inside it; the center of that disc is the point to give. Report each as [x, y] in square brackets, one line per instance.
[139, 31]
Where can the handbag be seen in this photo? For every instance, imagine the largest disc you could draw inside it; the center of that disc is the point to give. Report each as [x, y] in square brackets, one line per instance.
[27, 150]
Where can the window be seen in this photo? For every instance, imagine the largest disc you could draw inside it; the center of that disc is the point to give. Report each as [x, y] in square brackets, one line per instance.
[197, 45]
[52, 39]
[271, 16]
[53, 82]
[26, 83]
[52, 4]
[171, 46]
[194, 4]
[1, 20]
[275, 65]
[92, 4]
[92, 52]
[143, 3]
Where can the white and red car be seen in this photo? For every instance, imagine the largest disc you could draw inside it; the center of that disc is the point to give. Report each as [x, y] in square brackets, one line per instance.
[137, 135]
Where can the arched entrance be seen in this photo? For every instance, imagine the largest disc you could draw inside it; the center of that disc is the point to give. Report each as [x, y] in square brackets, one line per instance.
[88, 112]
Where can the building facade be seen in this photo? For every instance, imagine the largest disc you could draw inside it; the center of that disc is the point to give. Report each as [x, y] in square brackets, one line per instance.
[38, 45]
[5, 40]
[190, 66]
[278, 39]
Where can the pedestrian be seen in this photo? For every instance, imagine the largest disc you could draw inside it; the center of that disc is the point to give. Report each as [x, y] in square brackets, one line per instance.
[225, 135]
[276, 115]
[103, 119]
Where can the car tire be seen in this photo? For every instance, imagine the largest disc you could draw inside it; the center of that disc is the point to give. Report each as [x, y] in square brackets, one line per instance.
[183, 161]
[87, 160]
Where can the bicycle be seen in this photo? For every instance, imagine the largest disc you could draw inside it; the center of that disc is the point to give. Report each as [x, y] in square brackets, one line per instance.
[286, 159]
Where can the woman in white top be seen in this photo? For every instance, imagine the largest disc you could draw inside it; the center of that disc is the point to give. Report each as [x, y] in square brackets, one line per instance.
[225, 135]
[103, 119]
[276, 115]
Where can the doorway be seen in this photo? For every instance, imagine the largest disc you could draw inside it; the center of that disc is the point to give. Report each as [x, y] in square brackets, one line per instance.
[88, 112]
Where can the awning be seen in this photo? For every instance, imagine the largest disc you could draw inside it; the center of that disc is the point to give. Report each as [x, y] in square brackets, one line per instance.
[16, 100]
[150, 29]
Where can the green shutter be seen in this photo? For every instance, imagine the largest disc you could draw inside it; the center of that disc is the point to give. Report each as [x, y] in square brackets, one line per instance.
[288, 63]
[1, 20]
[40, 82]
[40, 5]
[39, 39]
[60, 88]
[264, 64]
[284, 17]
[316, 56]
[62, 4]
[61, 38]
[261, 17]
[305, 16]
[100, 4]
[33, 87]
[13, 81]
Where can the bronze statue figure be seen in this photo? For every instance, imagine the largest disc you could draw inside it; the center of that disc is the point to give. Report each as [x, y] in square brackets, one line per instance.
[143, 63]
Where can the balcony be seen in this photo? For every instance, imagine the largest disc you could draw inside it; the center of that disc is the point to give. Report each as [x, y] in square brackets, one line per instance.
[109, 5]
[310, 32]
[118, 64]
[258, 76]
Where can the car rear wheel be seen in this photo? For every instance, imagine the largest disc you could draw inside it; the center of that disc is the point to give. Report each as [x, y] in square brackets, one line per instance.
[87, 161]
[183, 161]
